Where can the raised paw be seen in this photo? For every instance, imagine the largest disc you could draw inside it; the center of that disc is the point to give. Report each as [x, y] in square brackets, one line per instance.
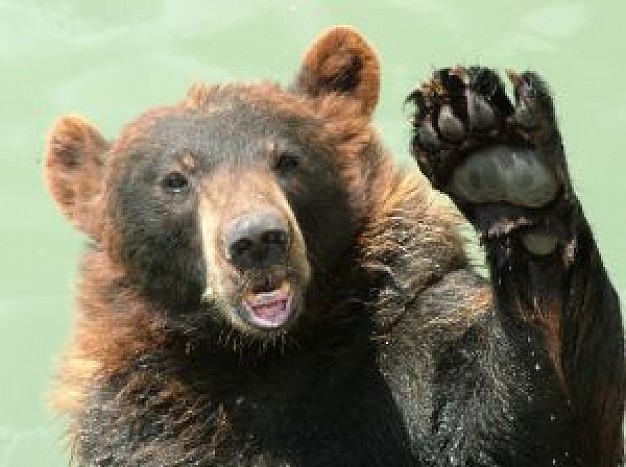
[501, 162]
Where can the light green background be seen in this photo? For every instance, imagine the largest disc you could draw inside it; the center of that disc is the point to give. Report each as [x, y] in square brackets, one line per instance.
[110, 60]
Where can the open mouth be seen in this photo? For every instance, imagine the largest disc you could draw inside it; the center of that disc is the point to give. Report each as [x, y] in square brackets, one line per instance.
[269, 305]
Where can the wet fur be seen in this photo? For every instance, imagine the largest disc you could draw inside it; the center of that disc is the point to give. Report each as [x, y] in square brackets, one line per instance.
[403, 356]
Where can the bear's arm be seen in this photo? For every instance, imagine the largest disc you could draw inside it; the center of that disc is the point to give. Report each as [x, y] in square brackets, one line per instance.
[492, 395]
[504, 165]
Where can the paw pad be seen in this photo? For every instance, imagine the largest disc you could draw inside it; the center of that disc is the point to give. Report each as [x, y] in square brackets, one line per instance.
[504, 174]
[475, 144]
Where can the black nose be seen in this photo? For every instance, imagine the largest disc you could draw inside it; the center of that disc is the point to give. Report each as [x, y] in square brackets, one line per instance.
[257, 240]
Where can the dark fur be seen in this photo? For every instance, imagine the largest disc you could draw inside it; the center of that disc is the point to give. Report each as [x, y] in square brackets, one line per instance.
[403, 356]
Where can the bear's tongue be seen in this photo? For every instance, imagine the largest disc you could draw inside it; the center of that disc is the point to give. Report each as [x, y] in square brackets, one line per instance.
[269, 309]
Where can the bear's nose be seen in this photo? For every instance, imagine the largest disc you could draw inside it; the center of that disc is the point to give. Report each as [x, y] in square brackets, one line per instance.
[256, 241]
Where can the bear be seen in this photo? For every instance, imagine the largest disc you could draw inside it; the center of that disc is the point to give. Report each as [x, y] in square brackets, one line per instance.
[264, 285]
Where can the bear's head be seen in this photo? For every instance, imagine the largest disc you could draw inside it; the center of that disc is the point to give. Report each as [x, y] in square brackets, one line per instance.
[231, 203]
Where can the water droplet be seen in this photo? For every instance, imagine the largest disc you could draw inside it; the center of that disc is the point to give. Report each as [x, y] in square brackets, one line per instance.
[552, 417]
[537, 367]
[553, 461]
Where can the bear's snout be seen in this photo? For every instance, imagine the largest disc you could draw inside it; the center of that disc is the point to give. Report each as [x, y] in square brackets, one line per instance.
[257, 240]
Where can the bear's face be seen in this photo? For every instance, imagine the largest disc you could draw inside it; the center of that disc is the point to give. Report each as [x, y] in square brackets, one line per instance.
[230, 202]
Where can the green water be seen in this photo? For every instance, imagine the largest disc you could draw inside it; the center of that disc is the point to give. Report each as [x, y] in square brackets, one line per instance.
[110, 60]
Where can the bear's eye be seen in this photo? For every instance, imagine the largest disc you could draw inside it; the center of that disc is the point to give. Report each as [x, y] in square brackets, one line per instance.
[175, 183]
[287, 162]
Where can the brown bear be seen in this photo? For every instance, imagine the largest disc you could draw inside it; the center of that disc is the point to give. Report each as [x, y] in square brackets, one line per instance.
[264, 286]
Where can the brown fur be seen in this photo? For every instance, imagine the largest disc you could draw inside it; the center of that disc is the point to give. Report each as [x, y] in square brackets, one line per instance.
[115, 325]
[164, 370]
[338, 58]
[106, 338]
[73, 145]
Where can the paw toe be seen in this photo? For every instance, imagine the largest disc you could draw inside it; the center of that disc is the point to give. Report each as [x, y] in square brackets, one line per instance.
[479, 113]
[533, 104]
[427, 136]
[451, 128]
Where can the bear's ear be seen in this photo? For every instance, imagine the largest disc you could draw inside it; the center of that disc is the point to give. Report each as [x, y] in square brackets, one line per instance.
[341, 61]
[73, 169]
